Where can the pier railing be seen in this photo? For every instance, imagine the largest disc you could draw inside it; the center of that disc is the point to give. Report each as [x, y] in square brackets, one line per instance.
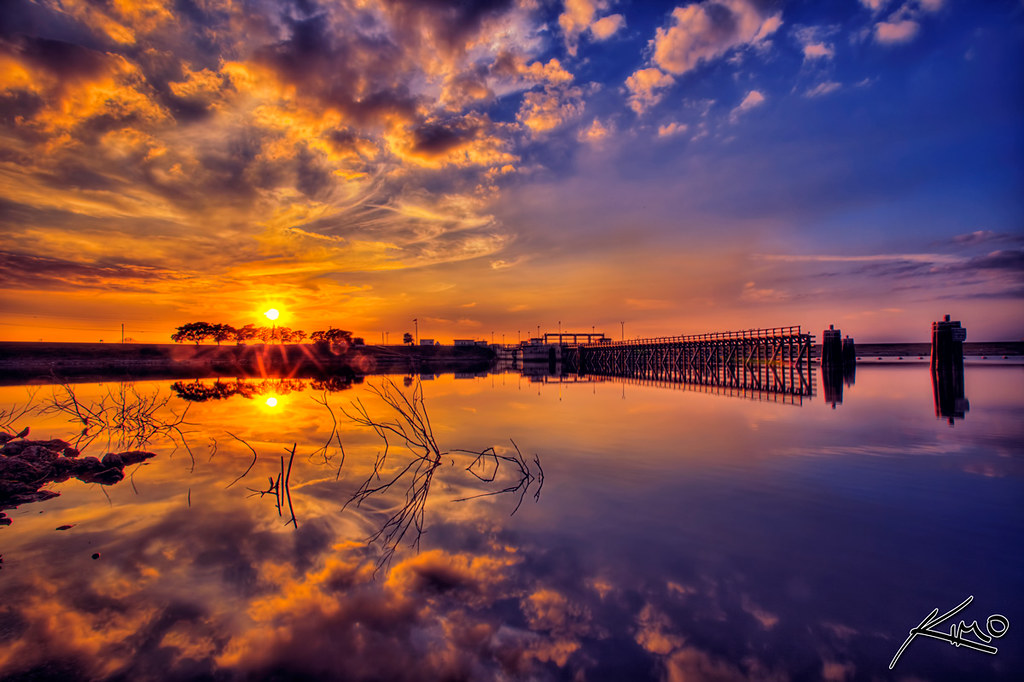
[776, 359]
[772, 332]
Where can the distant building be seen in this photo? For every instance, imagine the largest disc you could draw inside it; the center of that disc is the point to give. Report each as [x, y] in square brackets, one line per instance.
[426, 342]
[465, 342]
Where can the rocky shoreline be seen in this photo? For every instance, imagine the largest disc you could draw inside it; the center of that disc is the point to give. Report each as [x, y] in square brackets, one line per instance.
[27, 466]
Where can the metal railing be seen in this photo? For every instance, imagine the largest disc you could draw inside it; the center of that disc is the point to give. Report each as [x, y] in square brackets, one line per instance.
[769, 333]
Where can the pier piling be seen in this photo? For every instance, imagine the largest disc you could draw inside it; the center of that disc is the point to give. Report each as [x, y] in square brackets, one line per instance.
[947, 363]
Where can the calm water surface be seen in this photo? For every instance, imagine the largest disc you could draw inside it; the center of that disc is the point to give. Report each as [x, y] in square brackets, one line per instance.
[678, 534]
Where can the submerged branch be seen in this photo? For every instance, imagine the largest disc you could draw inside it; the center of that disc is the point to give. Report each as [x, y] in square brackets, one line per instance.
[411, 429]
[129, 419]
[254, 458]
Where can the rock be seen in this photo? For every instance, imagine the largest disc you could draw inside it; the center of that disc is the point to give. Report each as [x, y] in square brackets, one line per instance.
[103, 477]
[26, 466]
[19, 469]
[123, 459]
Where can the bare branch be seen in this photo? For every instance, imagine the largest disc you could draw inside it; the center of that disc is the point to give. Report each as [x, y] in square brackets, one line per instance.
[254, 458]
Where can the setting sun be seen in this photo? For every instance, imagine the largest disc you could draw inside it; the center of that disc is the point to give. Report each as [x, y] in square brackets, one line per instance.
[272, 314]
[271, 401]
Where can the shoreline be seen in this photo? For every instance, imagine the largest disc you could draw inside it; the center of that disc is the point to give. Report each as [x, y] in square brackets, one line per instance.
[41, 362]
[53, 362]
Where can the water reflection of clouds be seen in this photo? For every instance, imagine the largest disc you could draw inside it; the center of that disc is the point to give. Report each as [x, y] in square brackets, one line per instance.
[221, 593]
[698, 559]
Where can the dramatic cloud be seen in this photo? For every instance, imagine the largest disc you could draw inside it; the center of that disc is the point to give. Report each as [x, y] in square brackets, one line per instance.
[707, 30]
[217, 155]
[645, 88]
[312, 136]
[580, 17]
[606, 27]
[544, 111]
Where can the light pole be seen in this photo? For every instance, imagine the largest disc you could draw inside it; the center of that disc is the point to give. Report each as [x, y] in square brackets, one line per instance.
[623, 325]
[416, 322]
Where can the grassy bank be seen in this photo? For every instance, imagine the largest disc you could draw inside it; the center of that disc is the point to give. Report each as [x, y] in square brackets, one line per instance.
[43, 362]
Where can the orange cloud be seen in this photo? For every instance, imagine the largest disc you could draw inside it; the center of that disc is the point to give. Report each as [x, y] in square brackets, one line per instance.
[645, 88]
[542, 112]
[698, 34]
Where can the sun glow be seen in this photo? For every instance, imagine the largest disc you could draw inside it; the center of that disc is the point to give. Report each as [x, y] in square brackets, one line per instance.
[271, 401]
[272, 314]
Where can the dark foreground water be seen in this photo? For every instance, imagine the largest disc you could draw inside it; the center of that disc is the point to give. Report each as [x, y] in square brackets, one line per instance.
[678, 535]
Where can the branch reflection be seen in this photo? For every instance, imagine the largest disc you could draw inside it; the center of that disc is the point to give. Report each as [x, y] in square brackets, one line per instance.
[410, 432]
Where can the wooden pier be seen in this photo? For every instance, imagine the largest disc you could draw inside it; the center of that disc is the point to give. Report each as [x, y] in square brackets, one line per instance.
[776, 360]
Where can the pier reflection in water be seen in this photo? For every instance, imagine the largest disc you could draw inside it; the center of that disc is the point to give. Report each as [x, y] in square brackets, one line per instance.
[680, 535]
[834, 378]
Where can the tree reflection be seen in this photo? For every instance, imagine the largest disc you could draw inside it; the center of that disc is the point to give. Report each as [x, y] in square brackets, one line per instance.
[201, 391]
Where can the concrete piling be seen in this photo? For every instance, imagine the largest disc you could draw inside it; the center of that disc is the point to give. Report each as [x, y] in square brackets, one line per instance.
[947, 363]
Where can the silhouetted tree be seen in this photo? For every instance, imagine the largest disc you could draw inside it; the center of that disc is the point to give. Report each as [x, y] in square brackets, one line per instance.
[193, 331]
[407, 338]
[222, 332]
[358, 341]
[246, 333]
[332, 335]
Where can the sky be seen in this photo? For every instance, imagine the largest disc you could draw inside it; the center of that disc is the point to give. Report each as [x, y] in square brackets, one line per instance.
[491, 167]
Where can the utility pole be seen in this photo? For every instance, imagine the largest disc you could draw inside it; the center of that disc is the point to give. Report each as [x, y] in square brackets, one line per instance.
[122, 332]
[416, 322]
[623, 325]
